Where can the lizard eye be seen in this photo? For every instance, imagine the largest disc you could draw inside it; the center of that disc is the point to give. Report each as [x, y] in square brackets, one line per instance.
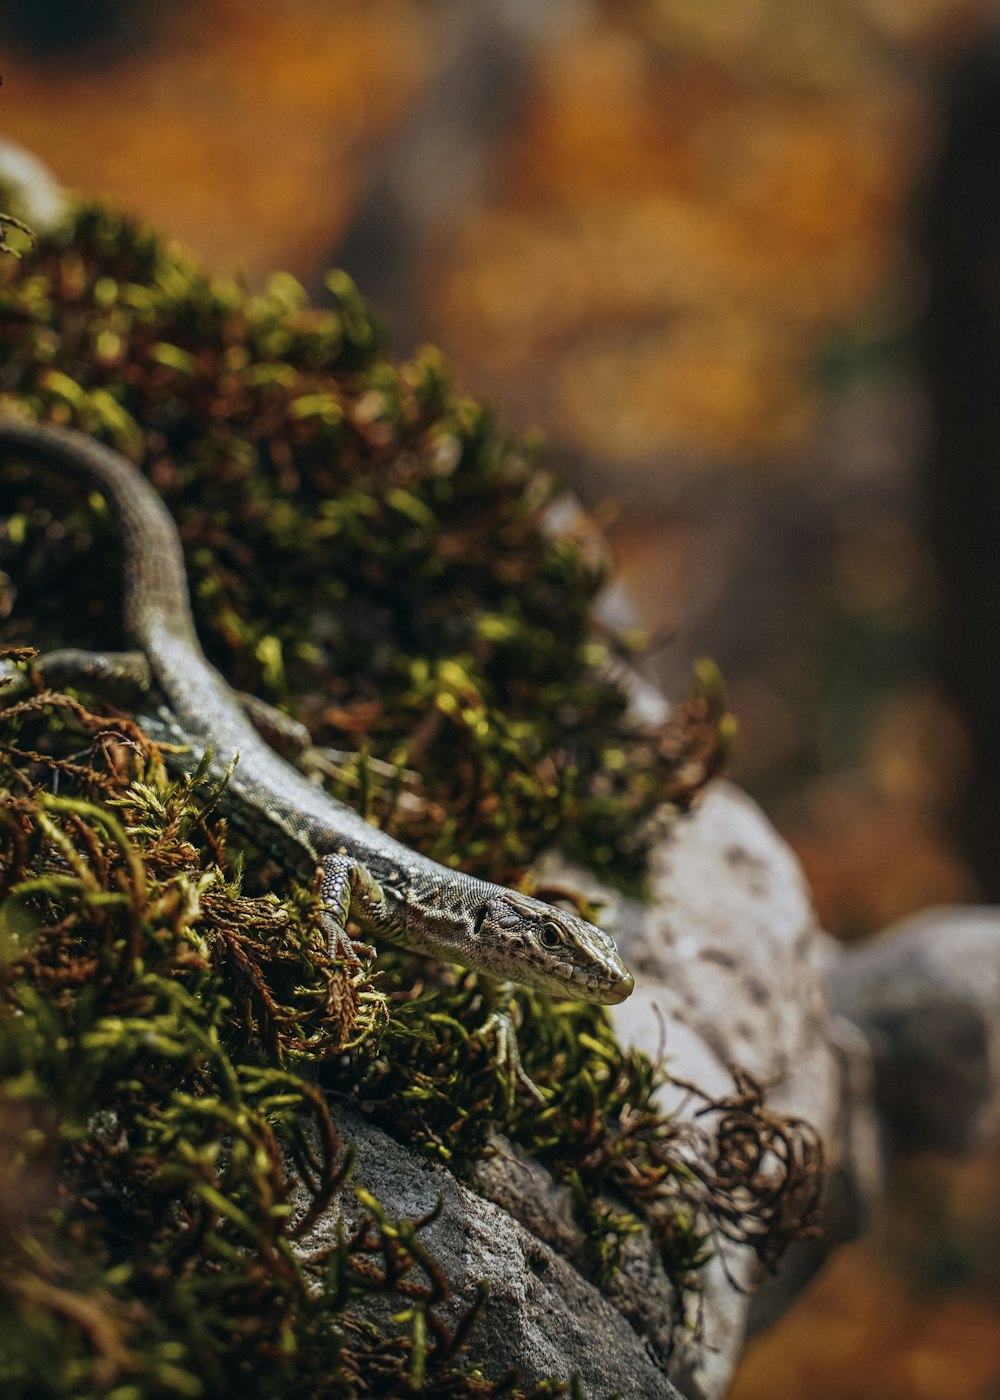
[550, 935]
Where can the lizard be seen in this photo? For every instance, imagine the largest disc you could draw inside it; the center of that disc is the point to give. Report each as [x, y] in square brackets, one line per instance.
[388, 890]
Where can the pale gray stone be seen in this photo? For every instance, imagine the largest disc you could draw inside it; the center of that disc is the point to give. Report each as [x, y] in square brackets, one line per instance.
[926, 993]
[729, 965]
[42, 197]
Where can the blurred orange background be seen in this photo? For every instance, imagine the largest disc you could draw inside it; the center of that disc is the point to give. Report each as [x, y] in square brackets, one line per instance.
[685, 239]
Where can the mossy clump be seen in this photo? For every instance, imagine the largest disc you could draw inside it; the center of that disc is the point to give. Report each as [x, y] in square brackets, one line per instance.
[363, 547]
[366, 551]
[150, 1131]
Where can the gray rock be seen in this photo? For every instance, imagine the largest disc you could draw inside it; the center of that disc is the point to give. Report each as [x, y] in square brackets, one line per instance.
[926, 994]
[640, 1290]
[543, 1317]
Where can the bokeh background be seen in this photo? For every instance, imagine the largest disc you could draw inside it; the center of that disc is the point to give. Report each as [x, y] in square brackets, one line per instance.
[740, 264]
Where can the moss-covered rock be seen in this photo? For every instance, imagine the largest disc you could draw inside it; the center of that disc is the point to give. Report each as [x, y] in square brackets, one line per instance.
[365, 550]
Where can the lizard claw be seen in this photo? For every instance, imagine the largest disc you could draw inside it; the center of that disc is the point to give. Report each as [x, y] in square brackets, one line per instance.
[342, 947]
[500, 1024]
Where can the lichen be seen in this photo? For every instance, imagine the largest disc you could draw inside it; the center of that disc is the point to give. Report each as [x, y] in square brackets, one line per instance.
[367, 551]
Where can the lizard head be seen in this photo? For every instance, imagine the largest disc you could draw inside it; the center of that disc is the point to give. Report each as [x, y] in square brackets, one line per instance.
[551, 950]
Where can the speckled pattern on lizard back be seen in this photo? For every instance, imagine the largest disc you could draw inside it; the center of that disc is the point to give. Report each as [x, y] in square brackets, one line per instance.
[390, 891]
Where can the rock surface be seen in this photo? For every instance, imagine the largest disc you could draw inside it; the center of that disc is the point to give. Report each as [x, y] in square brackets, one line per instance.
[543, 1317]
[730, 974]
[926, 994]
[640, 1291]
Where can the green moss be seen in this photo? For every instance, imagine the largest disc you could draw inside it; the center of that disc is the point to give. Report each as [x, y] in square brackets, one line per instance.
[147, 1007]
[365, 550]
[363, 547]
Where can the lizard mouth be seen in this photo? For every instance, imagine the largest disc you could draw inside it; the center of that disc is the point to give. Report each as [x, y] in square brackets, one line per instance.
[618, 990]
[608, 988]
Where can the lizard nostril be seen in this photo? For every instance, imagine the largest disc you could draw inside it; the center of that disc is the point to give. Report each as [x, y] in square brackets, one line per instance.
[622, 987]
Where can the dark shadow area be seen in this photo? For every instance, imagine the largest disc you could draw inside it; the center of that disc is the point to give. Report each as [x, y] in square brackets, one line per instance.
[962, 348]
[95, 33]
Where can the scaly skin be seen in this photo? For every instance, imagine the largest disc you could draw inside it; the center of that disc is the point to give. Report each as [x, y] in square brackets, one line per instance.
[390, 891]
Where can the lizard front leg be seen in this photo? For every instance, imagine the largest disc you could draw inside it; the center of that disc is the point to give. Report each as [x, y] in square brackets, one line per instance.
[348, 888]
[502, 1024]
